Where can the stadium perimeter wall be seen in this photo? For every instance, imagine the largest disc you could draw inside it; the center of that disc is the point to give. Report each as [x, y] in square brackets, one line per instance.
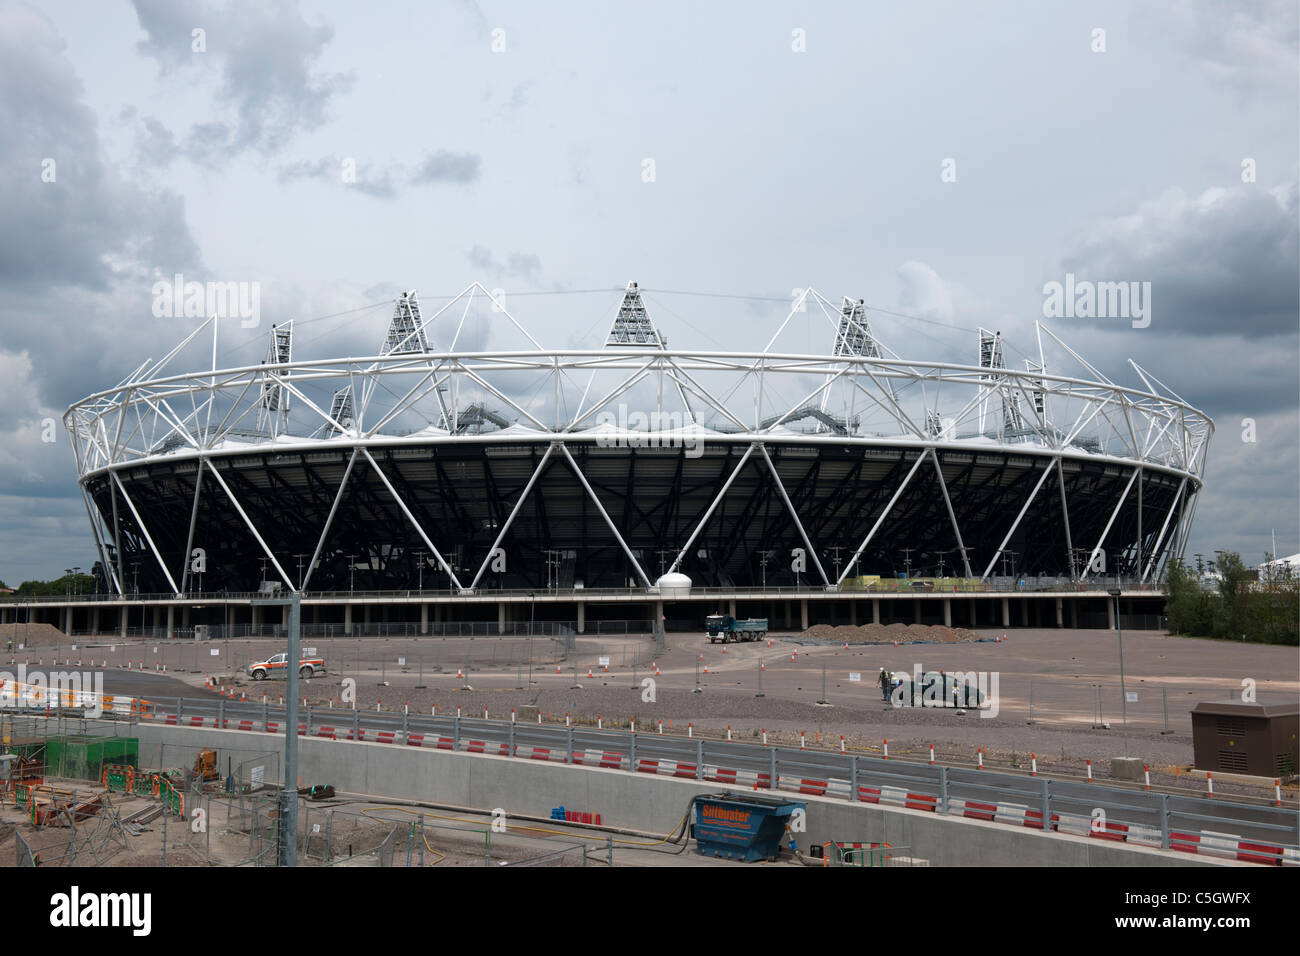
[635, 801]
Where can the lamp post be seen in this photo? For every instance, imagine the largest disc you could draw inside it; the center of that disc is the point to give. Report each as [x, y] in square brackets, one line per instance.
[532, 610]
[288, 836]
[1119, 627]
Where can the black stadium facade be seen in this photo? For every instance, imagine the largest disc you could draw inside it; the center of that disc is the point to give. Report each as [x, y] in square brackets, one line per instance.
[607, 467]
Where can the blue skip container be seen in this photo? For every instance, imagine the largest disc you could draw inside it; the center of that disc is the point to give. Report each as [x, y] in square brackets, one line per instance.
[741, 827]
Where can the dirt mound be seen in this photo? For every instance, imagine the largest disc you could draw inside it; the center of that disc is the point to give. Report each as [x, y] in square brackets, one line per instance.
[33, 635]
[889, 633]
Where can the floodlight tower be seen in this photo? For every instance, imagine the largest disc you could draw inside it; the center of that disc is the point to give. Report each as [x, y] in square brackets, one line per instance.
[853, 337]
[990, 357]
[633, 327]
[273, 410]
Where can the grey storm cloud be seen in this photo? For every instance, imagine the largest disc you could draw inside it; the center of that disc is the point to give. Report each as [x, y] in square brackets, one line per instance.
[516, 265]
[87, 227]
[267, 55]
[155, 146]
[368, 180]
[1220, 264]
[1251, 46]
[447, 167]
[384, 182]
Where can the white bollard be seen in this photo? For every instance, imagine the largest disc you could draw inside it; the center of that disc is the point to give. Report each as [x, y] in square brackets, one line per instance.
[886, 749]
[842, 736]
[764, 736]
[931, 755]
[802, 740]
[690, 731]
[1090, 771]
[1147, 771]
[1209, 780]
[981, 756]
[1033, 762]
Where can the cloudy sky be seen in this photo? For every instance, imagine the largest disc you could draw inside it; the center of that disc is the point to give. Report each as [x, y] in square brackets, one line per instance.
[943, 161]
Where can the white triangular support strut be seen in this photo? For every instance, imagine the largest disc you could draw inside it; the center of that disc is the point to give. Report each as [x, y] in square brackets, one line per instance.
[604, 514]
[794, 515]
[145, 531]
[411, 518]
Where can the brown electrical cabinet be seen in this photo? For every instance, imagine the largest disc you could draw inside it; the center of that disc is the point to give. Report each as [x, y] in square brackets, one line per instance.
[1257, 739]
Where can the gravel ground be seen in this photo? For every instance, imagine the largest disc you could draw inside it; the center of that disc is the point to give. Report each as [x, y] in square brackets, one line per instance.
[1058, 676]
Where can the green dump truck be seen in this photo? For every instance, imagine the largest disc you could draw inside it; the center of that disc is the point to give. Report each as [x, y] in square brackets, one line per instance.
[726, 628]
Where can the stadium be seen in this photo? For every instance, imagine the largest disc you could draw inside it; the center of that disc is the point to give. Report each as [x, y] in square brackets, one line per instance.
[821, 461]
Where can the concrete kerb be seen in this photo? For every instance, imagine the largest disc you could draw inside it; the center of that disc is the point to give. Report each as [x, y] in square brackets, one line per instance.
[655, 804]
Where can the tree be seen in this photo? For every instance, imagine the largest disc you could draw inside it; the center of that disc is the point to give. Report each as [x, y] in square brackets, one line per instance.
[1187, 606]
[1234, 590]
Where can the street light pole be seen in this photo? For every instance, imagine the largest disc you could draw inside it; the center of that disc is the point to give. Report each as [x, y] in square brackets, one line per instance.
[289, 793]
[1119, 628]
[532, 608]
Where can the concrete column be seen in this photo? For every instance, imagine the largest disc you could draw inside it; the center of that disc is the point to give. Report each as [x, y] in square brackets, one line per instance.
[365, 617]
[1024, 612]
[731, 607]
[424, 619]
[94, 619]
[229, 621]
[916, 610]
[853, 613]
[1006, 612]
[171, 621]
[501, 617]
[284, 616]
[803, 613]
[347, 619]
[947, 612]
[1110, 614]
[875, 610]
[659, 614]
[582, 615]
[257, 617]
[1059, 616]
[123, 616]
